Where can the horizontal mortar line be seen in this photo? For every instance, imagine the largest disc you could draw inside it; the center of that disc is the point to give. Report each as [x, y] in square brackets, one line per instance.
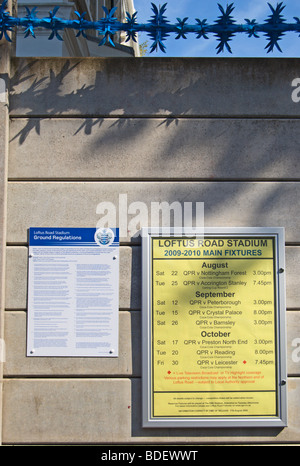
[153, 180]
[17, 244]
[125, 309]
[85, 376]
[121, 309]
[92, 443]
[26, 244]
[171, 443]
[67, 116]
[64, 376]
[122, 244]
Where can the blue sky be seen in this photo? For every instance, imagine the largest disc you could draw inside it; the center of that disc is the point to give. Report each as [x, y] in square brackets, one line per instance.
[241, 45]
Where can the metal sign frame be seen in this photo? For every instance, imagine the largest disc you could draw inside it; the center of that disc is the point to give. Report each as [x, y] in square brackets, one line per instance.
[280, 419]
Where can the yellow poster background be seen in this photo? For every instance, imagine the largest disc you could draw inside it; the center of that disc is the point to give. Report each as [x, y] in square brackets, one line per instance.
[213, 327]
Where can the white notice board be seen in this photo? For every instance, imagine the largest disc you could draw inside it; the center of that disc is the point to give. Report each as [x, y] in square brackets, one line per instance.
[73, 292]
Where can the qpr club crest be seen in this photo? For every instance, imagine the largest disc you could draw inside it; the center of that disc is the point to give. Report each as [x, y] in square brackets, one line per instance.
[104, 236]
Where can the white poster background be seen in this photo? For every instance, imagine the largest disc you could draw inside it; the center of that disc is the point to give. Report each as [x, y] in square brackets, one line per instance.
[73, 292]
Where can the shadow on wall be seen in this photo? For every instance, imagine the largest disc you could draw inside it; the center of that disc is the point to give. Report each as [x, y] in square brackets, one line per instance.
[175, 87]
[195, 122]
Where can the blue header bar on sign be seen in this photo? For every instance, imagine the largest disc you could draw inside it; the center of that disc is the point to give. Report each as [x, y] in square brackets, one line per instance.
[73, 236]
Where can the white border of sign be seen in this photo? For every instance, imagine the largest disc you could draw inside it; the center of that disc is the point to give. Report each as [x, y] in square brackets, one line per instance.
[148, 421]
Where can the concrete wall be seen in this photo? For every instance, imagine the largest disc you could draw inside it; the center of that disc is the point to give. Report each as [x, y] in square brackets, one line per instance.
[225, 132]
[5, 52]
